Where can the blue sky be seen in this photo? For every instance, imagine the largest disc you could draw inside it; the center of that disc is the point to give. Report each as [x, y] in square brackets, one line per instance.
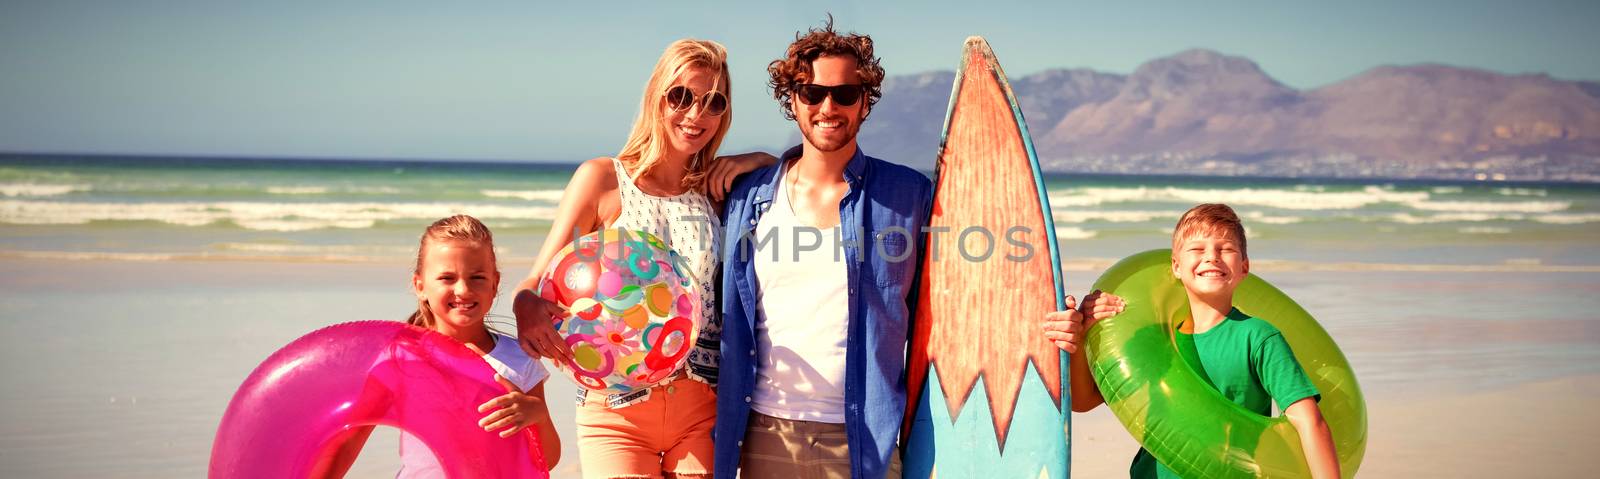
[558, 81]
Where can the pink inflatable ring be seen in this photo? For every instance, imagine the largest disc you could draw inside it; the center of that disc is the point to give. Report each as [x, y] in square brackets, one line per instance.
[300, 404]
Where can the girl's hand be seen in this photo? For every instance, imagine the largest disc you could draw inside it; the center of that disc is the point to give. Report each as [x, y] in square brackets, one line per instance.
[536, 331]
[512, 412]
[728, 168]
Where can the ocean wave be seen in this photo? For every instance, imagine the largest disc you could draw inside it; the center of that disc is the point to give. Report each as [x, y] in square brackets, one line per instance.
[1076, 216]
[1491, 206]
[1522, 192]
[530, 195]
[1411, 219]
[13, 190]
[305, 249]
[1479, 217]
[1259, 217]
[1074, 233]
[1300, 200]
[323, 190]
[1296, 198]
[1099, 196]
[1105, 216]
[297, 190]
[1483, 230]
[258, 216]
[1567, 218]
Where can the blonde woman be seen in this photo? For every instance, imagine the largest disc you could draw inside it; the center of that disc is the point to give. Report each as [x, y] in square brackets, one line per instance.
[667, 180]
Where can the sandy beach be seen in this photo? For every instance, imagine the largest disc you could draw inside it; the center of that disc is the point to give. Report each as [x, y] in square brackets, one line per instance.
[1537, 429]
[135, 361]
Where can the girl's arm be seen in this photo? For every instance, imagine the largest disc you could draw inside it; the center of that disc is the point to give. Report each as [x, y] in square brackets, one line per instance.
[349, 446]
[549, 439]
[589, 202]
[1315, 438]
[517, 410]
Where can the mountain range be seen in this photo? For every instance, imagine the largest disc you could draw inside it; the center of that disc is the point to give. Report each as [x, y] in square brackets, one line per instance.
[1204, 112]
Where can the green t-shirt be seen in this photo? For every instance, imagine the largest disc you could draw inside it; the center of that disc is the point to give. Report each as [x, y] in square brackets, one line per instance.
[1248, 361]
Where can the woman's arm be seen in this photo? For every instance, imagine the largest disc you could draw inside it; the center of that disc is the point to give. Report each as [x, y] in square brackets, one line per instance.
[726, 169]
[590, 201]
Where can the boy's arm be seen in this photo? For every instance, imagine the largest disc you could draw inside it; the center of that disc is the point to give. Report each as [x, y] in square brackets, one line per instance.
[1085, 394]
[1315, 438]
[1067, 330]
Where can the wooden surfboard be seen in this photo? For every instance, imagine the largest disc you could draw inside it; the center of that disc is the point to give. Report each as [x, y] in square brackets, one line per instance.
[987, 392]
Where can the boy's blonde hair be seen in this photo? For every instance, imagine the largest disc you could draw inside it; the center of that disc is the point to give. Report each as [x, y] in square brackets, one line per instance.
[458, 228]
[648, 140]
[1210, 219]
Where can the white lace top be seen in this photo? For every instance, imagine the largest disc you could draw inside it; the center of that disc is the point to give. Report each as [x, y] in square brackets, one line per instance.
[689, 224]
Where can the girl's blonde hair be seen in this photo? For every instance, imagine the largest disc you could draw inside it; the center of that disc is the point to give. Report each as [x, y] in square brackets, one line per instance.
[458, 228]
[648, 140]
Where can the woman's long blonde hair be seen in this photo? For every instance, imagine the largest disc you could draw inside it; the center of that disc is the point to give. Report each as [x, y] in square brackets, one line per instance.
[648, 140]
[458, 228]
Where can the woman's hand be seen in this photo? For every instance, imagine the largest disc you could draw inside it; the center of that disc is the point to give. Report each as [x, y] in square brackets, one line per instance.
[536, 331]
[725, 169]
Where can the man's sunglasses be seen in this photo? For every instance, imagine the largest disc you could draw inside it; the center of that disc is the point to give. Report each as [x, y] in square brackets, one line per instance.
[843, 95]
[713, 103]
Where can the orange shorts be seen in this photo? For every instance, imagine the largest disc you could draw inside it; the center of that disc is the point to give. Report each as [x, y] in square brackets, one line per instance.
[668, 435]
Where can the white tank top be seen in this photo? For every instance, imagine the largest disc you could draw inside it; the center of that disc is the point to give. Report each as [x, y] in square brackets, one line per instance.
[689, 224]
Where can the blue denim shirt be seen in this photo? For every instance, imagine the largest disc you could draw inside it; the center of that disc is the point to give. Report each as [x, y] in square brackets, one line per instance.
[887, 204]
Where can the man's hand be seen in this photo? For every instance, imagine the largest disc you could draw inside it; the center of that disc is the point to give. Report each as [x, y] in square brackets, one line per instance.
[1065, 328]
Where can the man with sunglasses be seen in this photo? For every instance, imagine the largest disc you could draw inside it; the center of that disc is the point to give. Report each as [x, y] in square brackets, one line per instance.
[820, 257]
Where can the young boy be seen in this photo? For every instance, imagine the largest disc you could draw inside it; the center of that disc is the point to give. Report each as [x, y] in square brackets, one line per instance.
[1245, 358]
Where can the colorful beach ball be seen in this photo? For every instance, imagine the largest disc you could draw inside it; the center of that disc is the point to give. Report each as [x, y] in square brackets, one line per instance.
[633, 308]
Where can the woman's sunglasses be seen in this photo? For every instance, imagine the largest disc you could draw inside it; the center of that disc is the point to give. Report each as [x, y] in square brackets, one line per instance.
[811, 94]
[713, 103]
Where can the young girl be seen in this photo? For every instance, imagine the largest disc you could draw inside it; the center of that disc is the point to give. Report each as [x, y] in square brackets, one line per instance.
[456, 280]
[666, 180]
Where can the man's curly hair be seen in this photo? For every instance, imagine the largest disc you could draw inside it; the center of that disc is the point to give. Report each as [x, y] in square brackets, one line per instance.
[795, 66]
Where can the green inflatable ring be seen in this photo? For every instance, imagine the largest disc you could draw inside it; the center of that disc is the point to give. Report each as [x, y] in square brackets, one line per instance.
[1185, 423]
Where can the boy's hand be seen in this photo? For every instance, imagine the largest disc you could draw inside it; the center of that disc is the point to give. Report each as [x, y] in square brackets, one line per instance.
[1065, 328]
[512, 411]
[1098, 305]
[536, 331]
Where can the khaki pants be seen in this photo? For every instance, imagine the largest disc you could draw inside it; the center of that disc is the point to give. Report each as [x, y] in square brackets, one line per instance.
[782, 448]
